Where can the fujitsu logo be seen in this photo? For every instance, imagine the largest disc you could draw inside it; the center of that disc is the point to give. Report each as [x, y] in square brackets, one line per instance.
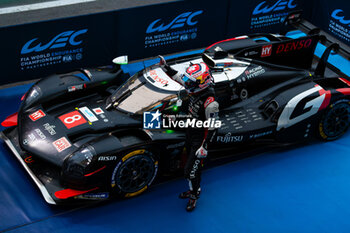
[264, 8]
[59, 41]
[338, 15]
[180, 21]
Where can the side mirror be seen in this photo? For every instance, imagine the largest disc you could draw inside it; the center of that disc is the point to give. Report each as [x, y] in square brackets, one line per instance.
[122, 60]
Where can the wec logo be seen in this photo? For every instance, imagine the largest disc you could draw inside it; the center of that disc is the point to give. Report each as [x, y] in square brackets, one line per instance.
[178, 22]
[338, 15]
[278, 6]
[59, 41]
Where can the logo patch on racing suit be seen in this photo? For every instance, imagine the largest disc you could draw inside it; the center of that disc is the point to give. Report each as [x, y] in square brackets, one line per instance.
[209, 101]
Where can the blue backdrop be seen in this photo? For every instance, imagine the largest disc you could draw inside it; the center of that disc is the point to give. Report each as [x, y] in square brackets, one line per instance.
[38, 49]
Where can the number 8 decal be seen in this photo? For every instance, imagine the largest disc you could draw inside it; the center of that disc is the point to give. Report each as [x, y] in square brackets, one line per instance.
[72, 119]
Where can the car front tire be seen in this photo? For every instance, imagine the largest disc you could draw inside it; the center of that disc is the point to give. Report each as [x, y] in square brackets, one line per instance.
[134, 173]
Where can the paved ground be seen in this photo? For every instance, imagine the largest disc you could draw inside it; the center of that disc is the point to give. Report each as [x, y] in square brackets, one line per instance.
[22, 17]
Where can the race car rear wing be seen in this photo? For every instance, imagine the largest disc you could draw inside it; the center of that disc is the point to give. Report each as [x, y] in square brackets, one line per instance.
[295, 21]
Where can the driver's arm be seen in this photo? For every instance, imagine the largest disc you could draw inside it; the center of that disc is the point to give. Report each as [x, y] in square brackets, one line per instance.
[173, 74]
[211, 113]
[211, 108]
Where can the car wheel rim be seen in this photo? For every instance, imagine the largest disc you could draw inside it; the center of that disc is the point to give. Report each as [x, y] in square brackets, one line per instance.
[135, 173]
[337, 120]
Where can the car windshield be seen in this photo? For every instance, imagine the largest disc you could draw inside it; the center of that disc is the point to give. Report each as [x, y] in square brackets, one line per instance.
[138, 95]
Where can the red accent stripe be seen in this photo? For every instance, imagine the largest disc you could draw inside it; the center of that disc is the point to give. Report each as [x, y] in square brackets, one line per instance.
[100, 169]
[344, 91]
[236, 38]
[10, 120]
[67, 193]
[345, 81]
[205, 134]
[23, 96]
[327, 99]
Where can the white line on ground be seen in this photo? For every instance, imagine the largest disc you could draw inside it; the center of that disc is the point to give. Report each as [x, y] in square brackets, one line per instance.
[37, 6]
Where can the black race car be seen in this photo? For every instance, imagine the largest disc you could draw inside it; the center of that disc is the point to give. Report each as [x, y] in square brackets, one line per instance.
[82, 136]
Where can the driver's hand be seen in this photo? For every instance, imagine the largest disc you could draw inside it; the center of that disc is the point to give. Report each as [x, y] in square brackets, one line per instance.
[162, 61]
[201, 153]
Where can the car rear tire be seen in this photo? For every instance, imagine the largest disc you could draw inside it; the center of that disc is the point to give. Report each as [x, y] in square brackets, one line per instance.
[335, 121]
[134, 173]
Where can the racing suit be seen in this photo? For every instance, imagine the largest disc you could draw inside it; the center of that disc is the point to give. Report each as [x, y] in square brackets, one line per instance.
[202, 106]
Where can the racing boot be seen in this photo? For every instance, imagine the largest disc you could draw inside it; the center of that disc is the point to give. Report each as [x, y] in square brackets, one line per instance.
[192, 201]
[187, 194]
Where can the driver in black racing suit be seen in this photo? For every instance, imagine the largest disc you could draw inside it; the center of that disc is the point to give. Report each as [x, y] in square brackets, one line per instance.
[197, 81]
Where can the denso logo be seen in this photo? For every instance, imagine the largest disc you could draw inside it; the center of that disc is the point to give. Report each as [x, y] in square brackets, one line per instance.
[294, 46]
[59, 41]
[278, 6]
[178, 22]
[338, 15]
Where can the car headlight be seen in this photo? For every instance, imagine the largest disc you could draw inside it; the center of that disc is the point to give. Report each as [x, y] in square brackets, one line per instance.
[76, 165]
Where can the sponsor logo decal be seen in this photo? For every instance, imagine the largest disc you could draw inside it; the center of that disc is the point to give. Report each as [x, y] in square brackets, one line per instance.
[294, 46]
[88, 114]
[194, 169]
[258, 135]
[266, 51]
[76, 87]
[338, 14]
[252, 73]
[263, 8]
[59, 41]
[66, 46]
[151, 120]
[339, 24]
[107, 158]
[293, 114]
[179, 29]
[29, 159]
[179, 22]
[228, 138]
[208, 101]
[250, 53]
[50, 128]
[98, 111]
[31, 138]
[153, 74]
[37, 115]
[103, 116]
[265, 15]
[72, 119]
[93, 196]
[40, 133]
[61, 144]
